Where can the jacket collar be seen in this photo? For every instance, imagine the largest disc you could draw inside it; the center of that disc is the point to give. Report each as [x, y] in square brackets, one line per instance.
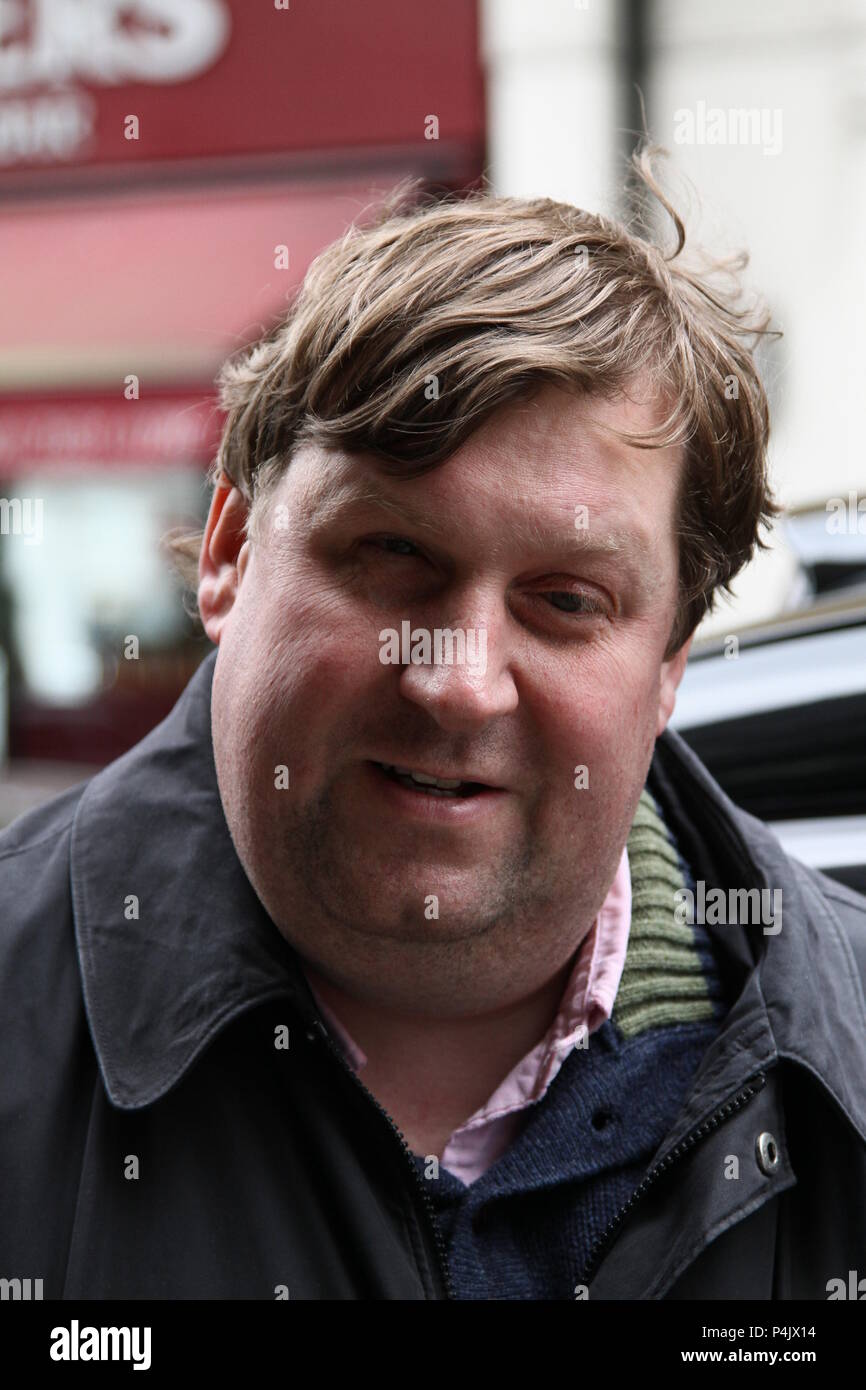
[174, 943]
[801, 998]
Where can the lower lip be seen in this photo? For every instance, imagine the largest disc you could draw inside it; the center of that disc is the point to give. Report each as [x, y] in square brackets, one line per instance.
[442, 810]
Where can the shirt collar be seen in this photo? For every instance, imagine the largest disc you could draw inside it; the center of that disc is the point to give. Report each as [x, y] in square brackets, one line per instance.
[174, 943]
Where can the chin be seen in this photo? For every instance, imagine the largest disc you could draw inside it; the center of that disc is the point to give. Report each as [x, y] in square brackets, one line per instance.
[410, 924]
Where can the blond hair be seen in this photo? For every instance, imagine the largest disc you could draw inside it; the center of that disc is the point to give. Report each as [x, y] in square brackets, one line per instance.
[491, 298]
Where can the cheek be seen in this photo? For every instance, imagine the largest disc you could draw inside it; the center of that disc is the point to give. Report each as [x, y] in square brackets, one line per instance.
[307, 682]
[605, 718]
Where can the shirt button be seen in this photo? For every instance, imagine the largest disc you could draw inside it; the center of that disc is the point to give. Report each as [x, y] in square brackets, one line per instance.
[767, 1152]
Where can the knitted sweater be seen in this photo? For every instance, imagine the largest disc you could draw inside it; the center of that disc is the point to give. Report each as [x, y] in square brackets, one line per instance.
[524, 1229]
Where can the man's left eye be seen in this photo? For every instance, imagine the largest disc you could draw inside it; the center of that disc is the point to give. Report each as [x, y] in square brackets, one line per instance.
[587, 603]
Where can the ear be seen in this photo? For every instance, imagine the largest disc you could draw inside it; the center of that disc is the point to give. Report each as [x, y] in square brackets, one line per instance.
[671, 675]
[223, 557]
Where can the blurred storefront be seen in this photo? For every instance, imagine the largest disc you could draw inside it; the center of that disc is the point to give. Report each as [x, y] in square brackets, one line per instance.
[168, 170]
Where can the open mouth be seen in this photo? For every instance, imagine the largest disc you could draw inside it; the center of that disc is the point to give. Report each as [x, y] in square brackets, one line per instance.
[430, 786]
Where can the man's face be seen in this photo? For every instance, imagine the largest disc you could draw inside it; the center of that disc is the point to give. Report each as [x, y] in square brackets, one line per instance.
[556, 542]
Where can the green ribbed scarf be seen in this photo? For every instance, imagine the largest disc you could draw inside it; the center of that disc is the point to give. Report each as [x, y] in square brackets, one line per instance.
[664, 980]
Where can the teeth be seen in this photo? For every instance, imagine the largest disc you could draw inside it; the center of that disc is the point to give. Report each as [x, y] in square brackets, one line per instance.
[443, 783]
[447, 783]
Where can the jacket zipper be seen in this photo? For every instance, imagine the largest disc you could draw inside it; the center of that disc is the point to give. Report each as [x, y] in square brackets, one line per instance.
[444, 1271]
[724, 1111]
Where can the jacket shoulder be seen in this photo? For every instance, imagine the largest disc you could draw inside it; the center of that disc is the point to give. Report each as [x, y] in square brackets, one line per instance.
[49, 1067]
[35, 896]
[847, 906]
[847, 898]
[850, 909]
[43, 823]
[39, 975]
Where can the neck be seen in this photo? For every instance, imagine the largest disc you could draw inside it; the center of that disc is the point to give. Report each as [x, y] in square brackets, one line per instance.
[432, 1074]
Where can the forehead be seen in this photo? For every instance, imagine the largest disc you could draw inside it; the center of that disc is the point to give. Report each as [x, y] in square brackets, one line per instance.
[528, 466]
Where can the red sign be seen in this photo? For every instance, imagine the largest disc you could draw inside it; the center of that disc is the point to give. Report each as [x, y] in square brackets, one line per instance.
[146, 85]
[67, 430]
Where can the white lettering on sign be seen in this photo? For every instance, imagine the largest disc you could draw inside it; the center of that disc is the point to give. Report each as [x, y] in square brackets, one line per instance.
[108, 41]
[45, 127]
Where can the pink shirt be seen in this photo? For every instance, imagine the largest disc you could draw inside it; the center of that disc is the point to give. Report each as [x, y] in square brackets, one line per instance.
[586, 1003]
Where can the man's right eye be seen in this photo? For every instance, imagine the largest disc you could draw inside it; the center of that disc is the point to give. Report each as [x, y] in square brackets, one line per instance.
[385, 541]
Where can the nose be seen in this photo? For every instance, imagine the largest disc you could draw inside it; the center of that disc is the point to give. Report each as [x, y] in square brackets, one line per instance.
[464, 677]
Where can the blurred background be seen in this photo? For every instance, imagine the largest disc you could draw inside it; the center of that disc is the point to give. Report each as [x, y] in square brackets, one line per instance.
[169, 168]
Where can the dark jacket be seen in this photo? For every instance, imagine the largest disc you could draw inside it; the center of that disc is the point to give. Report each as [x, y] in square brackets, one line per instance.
[156, 1143]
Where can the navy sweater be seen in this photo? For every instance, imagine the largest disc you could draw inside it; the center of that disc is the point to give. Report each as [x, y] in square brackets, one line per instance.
[524, 1229]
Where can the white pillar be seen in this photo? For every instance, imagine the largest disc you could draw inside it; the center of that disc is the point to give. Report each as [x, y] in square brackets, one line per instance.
[800, 212]
[553, 99]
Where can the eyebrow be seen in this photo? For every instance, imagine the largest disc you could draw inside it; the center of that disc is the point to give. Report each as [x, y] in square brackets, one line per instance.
[336, 499]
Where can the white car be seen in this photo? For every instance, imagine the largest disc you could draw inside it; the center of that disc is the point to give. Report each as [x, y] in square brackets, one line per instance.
[781, 725]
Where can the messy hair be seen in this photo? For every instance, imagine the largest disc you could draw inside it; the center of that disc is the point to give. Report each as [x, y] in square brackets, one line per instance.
[492, 298]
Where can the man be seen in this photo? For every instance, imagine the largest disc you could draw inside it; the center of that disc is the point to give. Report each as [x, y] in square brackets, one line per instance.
[364, 975]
